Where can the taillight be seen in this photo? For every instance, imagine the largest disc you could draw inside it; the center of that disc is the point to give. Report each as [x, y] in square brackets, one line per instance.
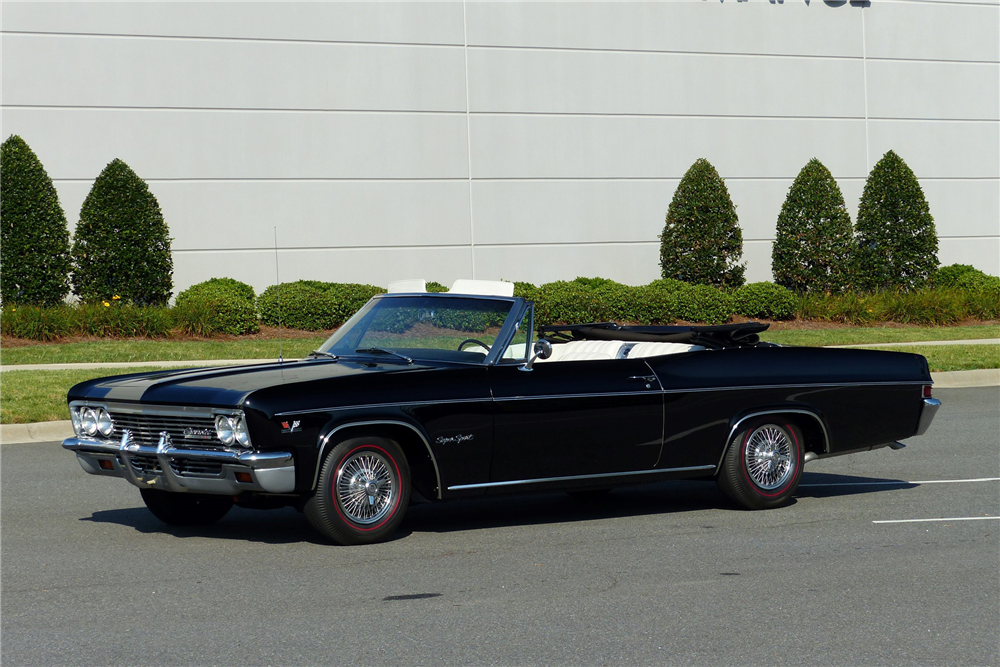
[927, 391]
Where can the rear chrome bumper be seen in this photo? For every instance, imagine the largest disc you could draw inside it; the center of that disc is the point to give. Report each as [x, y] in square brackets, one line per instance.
[183, 470]
[927, 413]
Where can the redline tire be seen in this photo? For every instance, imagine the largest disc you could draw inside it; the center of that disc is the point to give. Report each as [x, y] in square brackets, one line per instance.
[362, 493]
[763, 465]
[186, 509]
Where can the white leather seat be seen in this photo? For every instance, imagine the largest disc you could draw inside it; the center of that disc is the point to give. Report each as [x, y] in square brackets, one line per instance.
[584, 350]
[640, 350]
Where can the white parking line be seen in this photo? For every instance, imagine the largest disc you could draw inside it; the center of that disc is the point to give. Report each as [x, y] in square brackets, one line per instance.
[960, 518]
[902, 483]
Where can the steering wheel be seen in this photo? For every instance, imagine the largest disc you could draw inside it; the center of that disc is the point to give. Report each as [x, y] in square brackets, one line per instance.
[473, 340]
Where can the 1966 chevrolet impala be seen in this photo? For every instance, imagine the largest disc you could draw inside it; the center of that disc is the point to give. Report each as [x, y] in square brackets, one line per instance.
[451, 396]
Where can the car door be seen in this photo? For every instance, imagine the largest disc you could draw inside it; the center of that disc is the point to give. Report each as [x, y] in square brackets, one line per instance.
[573, 418]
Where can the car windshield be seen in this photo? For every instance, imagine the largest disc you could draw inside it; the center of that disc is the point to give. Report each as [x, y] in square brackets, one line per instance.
[400, 328]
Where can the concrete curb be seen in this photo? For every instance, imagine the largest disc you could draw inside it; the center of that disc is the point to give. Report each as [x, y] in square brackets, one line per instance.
[986, 377]
[19, 434]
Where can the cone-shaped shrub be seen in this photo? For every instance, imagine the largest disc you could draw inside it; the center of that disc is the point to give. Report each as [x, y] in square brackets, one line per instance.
[34, 241]
[701, 241]
[122, 244]
[812, 248]
[896, 241]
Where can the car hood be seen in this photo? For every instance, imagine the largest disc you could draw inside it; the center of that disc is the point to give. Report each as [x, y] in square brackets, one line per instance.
[226, 386]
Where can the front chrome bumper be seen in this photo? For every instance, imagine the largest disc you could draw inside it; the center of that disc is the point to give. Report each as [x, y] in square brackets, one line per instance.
[186, 470]
[927, 413]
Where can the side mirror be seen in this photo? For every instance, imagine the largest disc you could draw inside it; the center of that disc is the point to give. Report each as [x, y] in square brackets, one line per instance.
[543, 350]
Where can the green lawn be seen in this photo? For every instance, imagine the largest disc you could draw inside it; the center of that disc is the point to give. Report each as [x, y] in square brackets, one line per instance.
[34, 396]
[156, 350]
[40, 396]
[876, 335]
[131, 350]
[942, 358]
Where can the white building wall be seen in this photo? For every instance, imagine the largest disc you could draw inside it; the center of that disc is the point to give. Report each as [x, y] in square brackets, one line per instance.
[529, 141]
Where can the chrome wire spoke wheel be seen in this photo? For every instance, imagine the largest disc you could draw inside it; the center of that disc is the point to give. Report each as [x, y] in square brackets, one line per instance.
[770, 457]
[364, 487]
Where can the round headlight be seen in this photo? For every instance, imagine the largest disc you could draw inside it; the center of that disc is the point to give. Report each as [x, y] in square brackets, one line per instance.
[104, 423]
[88, 421]
[242, 436]
[74, 415]
[224, 429]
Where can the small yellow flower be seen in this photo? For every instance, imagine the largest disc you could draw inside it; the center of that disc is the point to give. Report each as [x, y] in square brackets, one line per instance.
[115, 297]
[106, 304]
[869, 310]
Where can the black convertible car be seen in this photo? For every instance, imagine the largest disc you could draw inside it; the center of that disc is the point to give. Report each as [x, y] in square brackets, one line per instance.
[451, 396]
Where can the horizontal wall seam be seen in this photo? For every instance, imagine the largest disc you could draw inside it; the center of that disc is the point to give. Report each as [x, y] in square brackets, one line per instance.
[478, 246]
[505, 47]
[257, 40]
[941, 2]
[484, 114]
[464, 179]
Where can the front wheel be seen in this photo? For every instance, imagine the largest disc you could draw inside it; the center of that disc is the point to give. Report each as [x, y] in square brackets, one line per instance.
[186, 509]
[362, 493]
[762, 468]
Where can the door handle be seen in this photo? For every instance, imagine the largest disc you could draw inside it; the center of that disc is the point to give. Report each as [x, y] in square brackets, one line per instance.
[648, 379]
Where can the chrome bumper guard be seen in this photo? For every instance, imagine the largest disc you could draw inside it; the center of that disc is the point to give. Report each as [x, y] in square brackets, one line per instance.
[927, 413]
[186, 470]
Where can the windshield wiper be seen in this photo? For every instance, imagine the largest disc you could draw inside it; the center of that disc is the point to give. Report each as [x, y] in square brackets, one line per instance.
[379, 350]
[321, 353]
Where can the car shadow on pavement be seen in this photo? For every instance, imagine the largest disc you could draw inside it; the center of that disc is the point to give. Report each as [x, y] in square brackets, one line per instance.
[287, 526]
[277, 526]
[559, 507]
[828, 485]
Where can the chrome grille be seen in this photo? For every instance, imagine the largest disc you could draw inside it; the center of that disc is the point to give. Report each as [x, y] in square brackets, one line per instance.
[146, 429]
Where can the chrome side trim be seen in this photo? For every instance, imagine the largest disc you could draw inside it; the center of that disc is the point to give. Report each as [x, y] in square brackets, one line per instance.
[735, 429]
[627, 393]
[793, 386]
[321, 446]
[550, 397]
[604, 475]
[368, 406]
[927, 413]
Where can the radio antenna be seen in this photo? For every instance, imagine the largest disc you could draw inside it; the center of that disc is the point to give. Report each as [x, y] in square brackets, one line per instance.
[277, 286]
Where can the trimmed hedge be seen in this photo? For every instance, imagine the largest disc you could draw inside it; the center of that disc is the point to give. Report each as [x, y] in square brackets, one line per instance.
[764, 300]
[701, 241]
[703, 304]
[896, 240]
[313, 305]
[109, 319]
[949, 276]
[34, 239]
[812, 247]
[218, 305]
[122, 244]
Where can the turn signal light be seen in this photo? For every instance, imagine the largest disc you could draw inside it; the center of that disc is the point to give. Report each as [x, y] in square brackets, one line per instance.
[244, 477]
[107, 465]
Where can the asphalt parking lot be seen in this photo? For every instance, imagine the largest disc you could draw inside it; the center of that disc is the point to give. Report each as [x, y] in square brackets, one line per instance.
[865, 567]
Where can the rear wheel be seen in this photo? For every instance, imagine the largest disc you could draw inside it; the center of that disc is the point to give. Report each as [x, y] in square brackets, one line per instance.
[762, 468]
[362, 493]
[186, 509]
